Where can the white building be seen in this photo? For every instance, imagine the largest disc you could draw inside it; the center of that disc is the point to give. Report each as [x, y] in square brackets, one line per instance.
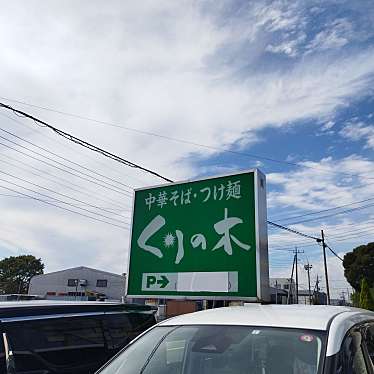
[282, 290]
[81, 282]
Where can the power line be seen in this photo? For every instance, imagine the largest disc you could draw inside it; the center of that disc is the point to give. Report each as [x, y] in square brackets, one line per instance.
[58, 200]
[184, 141]
[325, 210]
[342, 228]
[57, 180]
[349, 233]
[61, 194]
[351, 237]
[331, 215]
[116, 188]
[293, 231]
[358, 231]
[65, 159]
[290, 247]
[85, 144]
[70, 147]
[67, 209]
[93, 180]
[333, 252]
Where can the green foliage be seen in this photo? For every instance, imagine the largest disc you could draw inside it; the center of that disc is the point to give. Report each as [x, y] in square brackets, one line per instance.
[16, 272]
[359, 264]
[355, 298]
[366, 301]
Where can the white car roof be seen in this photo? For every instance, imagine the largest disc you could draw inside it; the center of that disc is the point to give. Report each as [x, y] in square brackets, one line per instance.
[316, 317]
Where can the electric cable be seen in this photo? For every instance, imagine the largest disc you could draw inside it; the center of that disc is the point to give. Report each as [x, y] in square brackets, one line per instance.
[65, 159]
[331, 215]
[61, 201]
[114, 188]
[85, 144]
[60, 194]
[324, 210]
[67, 209]
[184, 141]
[293, 231]
[70, 147]
[57, 180]
[59, 168]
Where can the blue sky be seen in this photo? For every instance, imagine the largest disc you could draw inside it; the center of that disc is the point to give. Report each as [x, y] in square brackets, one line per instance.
[286, 80]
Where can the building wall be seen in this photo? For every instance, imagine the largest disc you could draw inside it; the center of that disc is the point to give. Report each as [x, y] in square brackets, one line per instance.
[283, 284]
[57, 282]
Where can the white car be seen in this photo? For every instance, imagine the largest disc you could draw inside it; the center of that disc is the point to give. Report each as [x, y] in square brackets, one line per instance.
[254, 339]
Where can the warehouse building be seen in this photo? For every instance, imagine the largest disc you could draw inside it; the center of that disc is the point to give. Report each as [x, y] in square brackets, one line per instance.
[82, 283]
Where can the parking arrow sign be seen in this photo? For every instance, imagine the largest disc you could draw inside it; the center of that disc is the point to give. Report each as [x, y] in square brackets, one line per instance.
[159, 281]
[163, 281]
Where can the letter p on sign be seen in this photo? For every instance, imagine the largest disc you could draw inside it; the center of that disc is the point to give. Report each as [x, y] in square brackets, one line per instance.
[151, 280]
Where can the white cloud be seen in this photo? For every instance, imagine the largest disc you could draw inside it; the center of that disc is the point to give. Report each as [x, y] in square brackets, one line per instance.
[359, 131]
[309, 190]
[166, 68]
[326, 184]
[328, 125]
[334, 36]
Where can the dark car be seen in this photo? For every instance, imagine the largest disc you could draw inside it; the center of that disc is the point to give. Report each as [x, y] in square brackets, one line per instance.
[42, 337]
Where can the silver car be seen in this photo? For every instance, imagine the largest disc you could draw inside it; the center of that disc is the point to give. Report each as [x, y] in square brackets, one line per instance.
[254, 339]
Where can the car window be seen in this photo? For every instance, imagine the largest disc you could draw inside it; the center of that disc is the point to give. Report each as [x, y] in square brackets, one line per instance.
[2, 355]
[369, 341]
[124, 327]
[134, 357]
[58, 345]
[351, 358]
[222, 350]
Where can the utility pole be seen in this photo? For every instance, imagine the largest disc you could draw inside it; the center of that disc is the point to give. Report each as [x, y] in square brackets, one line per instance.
[290, 285]
[276, 292]
[297, 279]
[296, 252]
[316, 287]
[308, 268]
[343, 298]
[325, 263]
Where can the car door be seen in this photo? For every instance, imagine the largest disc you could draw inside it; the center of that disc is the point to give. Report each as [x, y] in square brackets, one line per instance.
[353, 357]
[74, 345]
[368, 341]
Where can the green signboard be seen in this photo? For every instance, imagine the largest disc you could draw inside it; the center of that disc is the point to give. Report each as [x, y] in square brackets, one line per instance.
[203, 239]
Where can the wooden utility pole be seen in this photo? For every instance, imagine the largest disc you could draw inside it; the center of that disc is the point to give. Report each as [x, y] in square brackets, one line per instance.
[296, 252]
[276, 292]
[307, 268]
[325, 264]
[290, 285]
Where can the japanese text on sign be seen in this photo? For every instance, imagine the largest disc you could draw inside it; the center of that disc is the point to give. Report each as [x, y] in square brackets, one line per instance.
[184, 197]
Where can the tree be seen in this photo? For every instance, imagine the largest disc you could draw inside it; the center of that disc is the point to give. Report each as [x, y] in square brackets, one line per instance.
[355, 299]
[17, 271]
[366, 301]
[359, 264]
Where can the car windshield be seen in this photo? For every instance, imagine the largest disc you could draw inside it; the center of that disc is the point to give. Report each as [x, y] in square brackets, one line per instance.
[221, 350]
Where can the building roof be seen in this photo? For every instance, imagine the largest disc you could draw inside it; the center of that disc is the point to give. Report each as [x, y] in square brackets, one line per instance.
[316, 317]
[79, 268]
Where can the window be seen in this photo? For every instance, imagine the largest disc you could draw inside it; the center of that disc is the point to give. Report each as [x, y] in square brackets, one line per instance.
[221, 350]
[3, 368]
[352, 360]
[72, 282]
[369, 341]
[286, 286]
[75, 344]
[124, 327]
[101, 283]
